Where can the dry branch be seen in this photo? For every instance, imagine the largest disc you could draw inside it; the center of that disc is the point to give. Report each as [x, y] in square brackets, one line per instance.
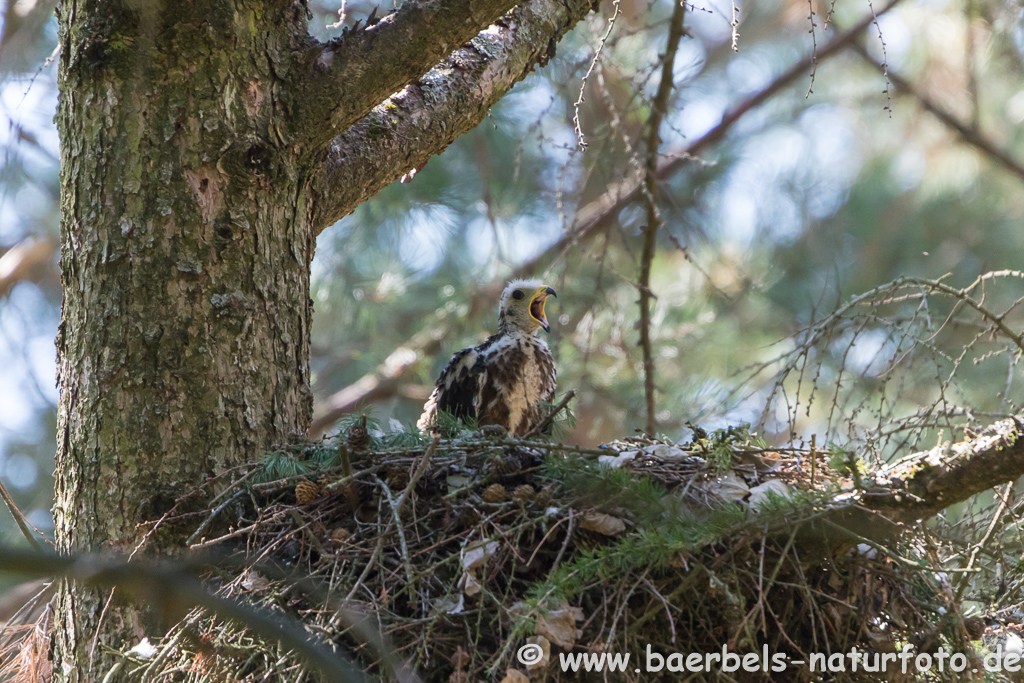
[650, 190]
[176, 591]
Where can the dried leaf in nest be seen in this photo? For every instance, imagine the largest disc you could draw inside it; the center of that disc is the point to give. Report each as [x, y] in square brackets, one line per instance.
[730, 488]
[253, 581]
[459, 676]
[515, 676]
[523, 493]
[559, 625]
[478, 554]
[398, 477]
[616, 461]
[340, 536]
[539, 663]
[495, 493]
[761, 494]
[307, 492]
[358, 438]
[602, 523]
[469, 584]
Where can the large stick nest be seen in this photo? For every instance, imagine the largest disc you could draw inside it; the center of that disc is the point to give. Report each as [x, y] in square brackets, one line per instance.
[444, 558]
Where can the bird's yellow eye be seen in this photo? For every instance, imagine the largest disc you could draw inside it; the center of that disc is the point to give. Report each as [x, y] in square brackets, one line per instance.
[518, 294]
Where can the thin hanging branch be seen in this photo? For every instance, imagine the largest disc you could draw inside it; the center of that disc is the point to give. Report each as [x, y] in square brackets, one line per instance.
[658, 108]
[967, 132]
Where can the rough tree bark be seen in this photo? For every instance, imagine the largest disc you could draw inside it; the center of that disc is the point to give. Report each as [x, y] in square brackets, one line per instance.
[202, 147]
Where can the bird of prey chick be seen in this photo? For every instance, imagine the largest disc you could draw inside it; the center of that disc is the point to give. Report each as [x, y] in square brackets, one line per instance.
[505, 380]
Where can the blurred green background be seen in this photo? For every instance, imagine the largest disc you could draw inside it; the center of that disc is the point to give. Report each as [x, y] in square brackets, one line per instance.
[832, 187]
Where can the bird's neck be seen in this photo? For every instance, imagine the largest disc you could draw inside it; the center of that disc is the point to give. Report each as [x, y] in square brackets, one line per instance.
[508, 330]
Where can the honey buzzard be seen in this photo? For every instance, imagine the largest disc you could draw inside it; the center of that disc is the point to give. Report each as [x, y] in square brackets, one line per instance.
[505, 380]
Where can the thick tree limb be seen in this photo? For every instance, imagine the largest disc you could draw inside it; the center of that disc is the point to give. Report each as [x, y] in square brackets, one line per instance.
[451, 99]
[921, 485]
[357, 71]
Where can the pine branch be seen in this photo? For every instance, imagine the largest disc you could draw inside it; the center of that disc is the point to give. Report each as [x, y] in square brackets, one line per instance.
[921, 485]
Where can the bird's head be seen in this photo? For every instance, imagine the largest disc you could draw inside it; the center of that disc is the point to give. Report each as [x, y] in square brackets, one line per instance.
[522, 307]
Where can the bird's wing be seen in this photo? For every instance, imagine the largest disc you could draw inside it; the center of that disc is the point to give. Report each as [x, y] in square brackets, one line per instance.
[456, 390]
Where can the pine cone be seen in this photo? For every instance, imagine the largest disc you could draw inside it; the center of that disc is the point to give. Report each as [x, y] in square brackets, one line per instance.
[398, 477]
[543, 497]
[523, 493]
[307, 492]
[340, 536]
[505, 465]
[466, 518]
[975, 627]
[495, 493]
[358, 438]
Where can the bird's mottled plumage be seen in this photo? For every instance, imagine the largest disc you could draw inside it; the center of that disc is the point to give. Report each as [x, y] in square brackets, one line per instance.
[505, 380]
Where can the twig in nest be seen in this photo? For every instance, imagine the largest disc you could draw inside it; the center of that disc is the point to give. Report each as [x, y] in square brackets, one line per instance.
[213, 515]
[410, 578]
[306, 531]
[546, 422]
[396, 512]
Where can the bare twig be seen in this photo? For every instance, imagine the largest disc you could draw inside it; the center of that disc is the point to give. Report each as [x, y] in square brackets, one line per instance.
[213, 514]
[658, 109]
[593, 63]
[885, 61]
[395, 514]
[543, 424]
[814, 48]
[735, 26]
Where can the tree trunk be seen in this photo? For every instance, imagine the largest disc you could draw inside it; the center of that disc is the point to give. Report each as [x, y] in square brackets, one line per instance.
[184, 342]
[202, 144]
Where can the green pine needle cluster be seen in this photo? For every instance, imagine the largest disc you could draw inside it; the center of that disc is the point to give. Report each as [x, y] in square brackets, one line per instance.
[720, 445]
[282, 465]
[450, 426]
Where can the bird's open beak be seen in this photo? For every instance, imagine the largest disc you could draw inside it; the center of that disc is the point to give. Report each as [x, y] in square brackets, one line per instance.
[537, 306]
